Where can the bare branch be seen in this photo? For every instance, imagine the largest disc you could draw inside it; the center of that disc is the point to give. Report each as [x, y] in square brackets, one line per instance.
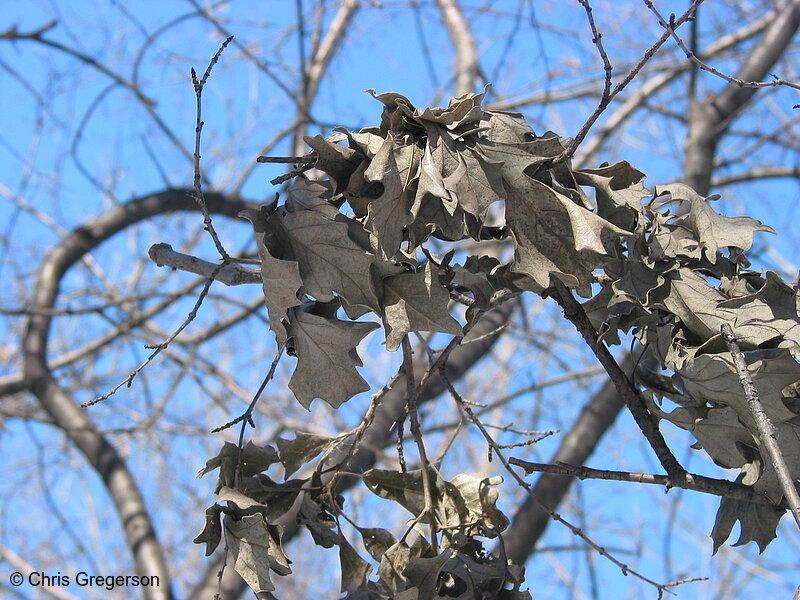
[597, 40]
[637, 100]
[771, 172]
[776, 81]
[698, 483]
[767, 435]
[411, 404]
[198, 189]
[712, 118]
[606, 99]
[467, 68]
[498, 451]
[317, 67]
[595, 419]
[12, 33]
[158, 348]
[231, 274]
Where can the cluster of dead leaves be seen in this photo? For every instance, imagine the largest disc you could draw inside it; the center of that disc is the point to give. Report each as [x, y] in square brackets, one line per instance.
[249, 503]
[354, 241]
[663, 265]
[675, 287]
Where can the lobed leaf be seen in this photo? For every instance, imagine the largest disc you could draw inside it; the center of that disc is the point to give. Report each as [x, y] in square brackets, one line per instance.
[326, 358]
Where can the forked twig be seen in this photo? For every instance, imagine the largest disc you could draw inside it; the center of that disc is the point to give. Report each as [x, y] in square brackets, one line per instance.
[692, 56]
[198, 191]
[498, 451]
[128, 381]
[606, 98]
[198, 194]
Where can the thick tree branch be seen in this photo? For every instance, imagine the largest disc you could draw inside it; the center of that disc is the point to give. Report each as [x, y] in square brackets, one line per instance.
[711, 119]
[467, 67]
[596, 418]
[68, 416]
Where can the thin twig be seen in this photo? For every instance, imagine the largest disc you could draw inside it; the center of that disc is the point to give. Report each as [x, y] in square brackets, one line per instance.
[529, 442]
[606, 99]
[597, 39]
[692, 56]
[766, 431]
[292, 173]
[678, 582]
[247, 417]
[148, 103]
[463, 406]
[317, 66]
[244, 49]
[267, 147]
[366, 421]
[301, 38]
[411, 407]
[648, 89]
[159, 347]
[400, 425]
[198, 191]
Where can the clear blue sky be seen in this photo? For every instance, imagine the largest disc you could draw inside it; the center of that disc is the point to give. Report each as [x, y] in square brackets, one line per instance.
[45, 157]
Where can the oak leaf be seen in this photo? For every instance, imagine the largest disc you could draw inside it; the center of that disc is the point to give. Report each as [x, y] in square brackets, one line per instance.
[326, 358]
[415, 302]
[712, 230]
[280, 279]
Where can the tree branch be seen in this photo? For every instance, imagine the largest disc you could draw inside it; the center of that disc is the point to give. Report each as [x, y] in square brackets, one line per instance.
[317, 67]
[577, 445]
[757, 173]
[606, 98]
[691, 55]
[574, 312]
[767, 435]
[649, 87]
[711, 119]
[698, 483]
[231, 274]
[57, 402]
[467, 67]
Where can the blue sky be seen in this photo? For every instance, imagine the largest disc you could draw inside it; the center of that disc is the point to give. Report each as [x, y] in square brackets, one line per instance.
[125, 154]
